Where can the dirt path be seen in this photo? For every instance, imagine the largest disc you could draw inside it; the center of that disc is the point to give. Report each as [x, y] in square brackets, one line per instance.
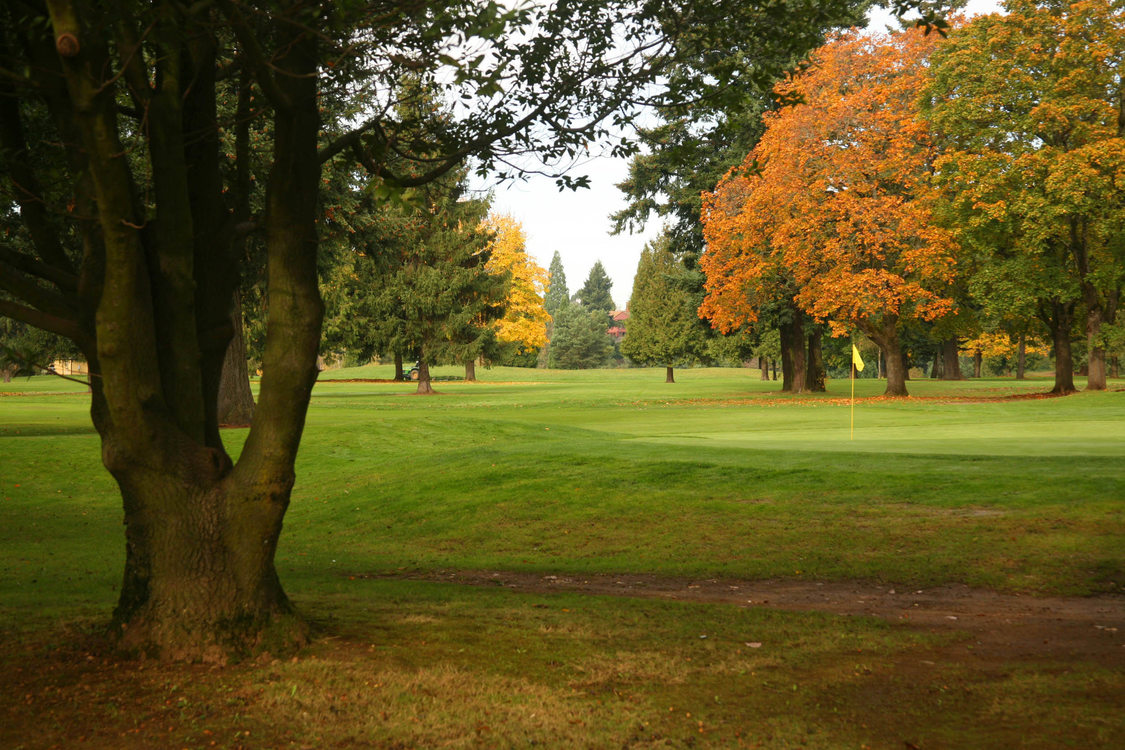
[1003, 626]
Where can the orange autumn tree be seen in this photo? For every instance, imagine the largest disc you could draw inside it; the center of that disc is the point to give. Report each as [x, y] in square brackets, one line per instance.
[836, 199]
[525, 323]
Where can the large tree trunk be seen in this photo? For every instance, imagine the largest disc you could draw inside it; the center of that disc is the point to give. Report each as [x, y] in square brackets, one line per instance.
[668, 377]
[200, 581]
[399, 374]
[896, 371]
[816, 377]
[470, 371]
[236, 401]
[793, 366]
[950, 360]
[893, 357]
[1060, 320]
[1095, 351]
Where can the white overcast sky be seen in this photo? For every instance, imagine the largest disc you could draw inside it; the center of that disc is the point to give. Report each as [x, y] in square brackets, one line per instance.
[577, 223]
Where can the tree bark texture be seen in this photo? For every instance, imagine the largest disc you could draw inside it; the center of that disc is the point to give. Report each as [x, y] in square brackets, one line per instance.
[668, 375]
[893, 358]
[1095, 352]
[816, 378]
[950, 360]
[470, 371]
[793, 365]
[1058, 316]
[155, 323]
[425, 387]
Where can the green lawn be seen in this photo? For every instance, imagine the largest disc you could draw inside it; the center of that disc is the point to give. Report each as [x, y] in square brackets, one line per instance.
[976, 482]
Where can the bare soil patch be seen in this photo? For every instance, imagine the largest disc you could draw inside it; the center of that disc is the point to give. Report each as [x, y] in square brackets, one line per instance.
[1003, 626]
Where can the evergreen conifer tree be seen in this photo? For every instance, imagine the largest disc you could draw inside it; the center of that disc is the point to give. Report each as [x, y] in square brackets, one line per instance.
[594, 294]
[558, 296]
[580, 341]
[662, 326]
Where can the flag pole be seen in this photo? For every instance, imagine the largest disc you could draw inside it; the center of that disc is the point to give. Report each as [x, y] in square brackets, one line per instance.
[857, 366]
[851, 368]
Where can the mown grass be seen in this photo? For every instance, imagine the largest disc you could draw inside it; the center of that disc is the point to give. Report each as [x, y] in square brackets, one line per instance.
[605, 471]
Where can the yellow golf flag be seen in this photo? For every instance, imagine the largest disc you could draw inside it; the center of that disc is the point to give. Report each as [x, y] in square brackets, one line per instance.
[856, 359]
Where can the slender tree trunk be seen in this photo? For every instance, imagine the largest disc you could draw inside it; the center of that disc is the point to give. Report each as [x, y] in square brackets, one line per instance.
[978, 363]
[668, 378]
[470, 371]
[764, 363]
[786, 360]
[1021, 358]
[880, 370]
[399, 374]
[936, 365]
[1060, 322]
[236, 402]
[816, 377]
[950, 360]
[773, 367]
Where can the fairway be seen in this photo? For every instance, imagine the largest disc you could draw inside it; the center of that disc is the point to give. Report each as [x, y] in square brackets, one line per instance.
[662, 506]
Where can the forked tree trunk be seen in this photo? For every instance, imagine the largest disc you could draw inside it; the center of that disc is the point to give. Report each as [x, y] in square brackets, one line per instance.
[200, 582]
[892, 356]
[470, 371]
[668, 378]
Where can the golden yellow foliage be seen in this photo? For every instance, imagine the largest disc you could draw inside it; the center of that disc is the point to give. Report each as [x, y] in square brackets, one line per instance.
[526, 320]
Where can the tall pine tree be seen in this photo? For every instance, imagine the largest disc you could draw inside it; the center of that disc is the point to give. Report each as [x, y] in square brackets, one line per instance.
[557, 298]
[662, 326]
[594, 294]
